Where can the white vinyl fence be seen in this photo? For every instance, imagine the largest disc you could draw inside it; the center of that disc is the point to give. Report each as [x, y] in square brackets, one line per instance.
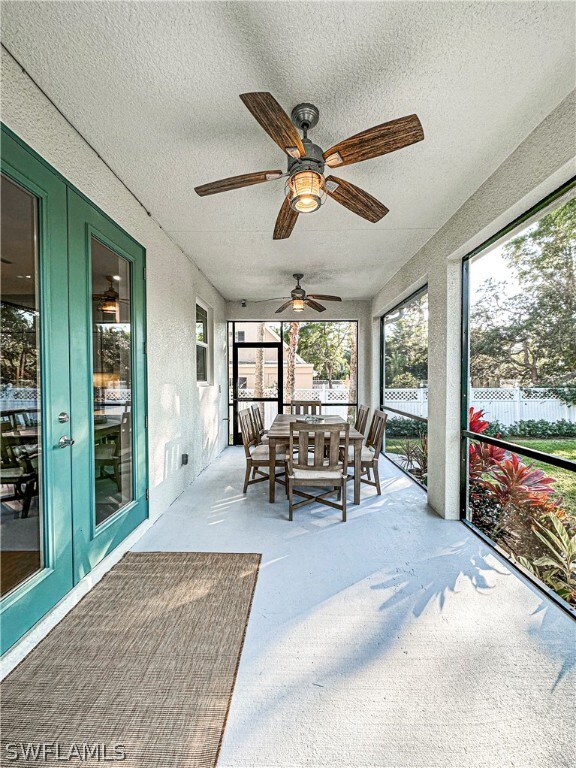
[506, 405]
[27, 398]
[336, 398]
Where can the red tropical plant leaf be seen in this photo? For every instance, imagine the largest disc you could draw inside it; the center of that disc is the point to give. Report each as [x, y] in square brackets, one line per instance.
[482, 457]
[520, 485]
[476, 421]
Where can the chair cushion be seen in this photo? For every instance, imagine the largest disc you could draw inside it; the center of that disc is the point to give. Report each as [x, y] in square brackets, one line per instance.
[317, 474]
[367, 454]
[262, 453]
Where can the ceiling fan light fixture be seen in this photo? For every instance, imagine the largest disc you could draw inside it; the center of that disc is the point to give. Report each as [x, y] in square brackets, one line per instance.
[306, 191]
[298, 305]
[108, 306]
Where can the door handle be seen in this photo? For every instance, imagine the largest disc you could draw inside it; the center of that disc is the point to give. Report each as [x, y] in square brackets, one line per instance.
[65, 441]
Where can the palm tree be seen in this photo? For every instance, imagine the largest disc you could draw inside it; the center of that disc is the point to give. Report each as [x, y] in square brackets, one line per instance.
[259, 371]
[291, 360]
[353, 394]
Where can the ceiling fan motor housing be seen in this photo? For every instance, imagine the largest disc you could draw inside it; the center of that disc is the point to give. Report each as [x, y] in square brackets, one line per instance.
[313, 160]
[298, 292]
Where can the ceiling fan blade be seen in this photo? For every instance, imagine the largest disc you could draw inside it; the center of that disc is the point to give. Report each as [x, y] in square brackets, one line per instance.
[314, 304]
[323, 297]
[236, 182]
[284, 306]
[285, 221]
[275, 122]
[376, 141]
[355, 199]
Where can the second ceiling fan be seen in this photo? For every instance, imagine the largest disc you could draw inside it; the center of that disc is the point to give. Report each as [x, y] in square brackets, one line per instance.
[300, 299]
[307, 186]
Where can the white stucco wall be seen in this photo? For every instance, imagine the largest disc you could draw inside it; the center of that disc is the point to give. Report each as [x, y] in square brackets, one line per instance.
[341, 310]
[183, 417]
[539, 165]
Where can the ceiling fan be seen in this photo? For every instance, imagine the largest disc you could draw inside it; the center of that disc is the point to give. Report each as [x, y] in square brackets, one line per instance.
[307, 187]
[300, 299]
[109, 301]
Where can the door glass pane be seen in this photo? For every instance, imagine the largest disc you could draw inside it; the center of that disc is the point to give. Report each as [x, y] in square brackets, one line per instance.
[112, 380]
[21, 483]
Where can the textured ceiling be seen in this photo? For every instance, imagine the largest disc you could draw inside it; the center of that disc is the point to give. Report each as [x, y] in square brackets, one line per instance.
[154, 88]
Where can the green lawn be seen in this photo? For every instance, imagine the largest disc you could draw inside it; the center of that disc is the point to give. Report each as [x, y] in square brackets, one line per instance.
[565, 479]
[565, 448]
[394, 444]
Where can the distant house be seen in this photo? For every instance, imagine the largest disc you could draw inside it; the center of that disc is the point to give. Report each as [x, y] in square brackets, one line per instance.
[304, 372]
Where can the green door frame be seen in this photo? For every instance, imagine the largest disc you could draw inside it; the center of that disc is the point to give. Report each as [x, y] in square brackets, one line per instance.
[25, 605]
[72, 543]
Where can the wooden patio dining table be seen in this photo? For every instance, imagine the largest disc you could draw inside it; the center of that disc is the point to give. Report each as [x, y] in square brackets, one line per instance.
[279, 432]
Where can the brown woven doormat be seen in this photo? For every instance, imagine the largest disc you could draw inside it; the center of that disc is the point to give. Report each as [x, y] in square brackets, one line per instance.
[140, 673]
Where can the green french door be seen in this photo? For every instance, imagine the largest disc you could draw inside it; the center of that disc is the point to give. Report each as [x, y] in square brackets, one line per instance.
[72, 393]
[107, 384]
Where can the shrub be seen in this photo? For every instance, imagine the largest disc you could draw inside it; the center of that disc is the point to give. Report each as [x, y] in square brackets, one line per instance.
[415, 457]
[509, 496]
[532, 428]
[557, 568]
[399, 427]
[404, 380]
[497, 429]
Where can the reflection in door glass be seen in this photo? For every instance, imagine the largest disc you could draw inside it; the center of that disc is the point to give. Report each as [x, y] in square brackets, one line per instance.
[112, 380]
[21, 483]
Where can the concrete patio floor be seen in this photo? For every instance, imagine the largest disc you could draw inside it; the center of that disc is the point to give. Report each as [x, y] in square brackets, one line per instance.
[395, 640]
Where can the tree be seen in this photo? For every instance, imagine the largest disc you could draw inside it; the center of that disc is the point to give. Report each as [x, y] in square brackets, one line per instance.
[530, 336]
[353, 342]
[406, 348]
[111, 346]
[327, 347]
[19, 346]
[259, 370]
[292, 342]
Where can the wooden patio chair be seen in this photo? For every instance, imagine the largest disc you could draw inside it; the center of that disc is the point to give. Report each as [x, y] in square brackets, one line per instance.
[371, 451]
[257, 453]
[325, 466]
[261, 433]
[116, 454]
[305, 408]
[23, 477]
[361, 418]
[258, 423]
